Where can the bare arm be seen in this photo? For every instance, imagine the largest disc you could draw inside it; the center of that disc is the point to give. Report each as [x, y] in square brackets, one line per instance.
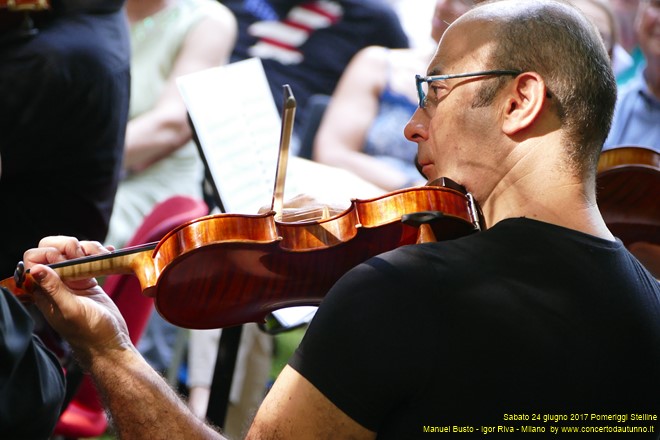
[165, 128]
[141, 403]
[295, 409]
[350, 114]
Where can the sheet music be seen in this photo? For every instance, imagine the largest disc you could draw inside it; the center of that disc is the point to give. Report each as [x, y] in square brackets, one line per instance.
[238, 126]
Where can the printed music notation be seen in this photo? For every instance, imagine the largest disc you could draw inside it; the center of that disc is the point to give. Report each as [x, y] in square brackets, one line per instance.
[237, 124]
[238, 127]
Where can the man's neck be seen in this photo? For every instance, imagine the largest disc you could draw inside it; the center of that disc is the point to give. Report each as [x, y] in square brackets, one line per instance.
[572, 212]
[552, 193]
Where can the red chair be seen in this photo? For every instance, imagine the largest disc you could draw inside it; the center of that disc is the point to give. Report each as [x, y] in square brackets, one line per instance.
[84, 416]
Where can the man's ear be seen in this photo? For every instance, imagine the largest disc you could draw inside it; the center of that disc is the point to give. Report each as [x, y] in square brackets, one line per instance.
[524, 103]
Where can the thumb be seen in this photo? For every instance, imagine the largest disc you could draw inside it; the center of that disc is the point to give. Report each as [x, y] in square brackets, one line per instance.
[48, 290]
[46, 280]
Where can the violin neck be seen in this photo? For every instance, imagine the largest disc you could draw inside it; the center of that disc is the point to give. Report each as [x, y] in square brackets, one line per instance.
[129, 260]
[135, 260]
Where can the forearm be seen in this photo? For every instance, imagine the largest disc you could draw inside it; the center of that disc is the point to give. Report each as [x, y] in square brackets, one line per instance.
[139, 400]
[141, 403]
[158, 132]
[153, 136]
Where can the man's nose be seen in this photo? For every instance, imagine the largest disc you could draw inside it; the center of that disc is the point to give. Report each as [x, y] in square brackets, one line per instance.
[416, 129]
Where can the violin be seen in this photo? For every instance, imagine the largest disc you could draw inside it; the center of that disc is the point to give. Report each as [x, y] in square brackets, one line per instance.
[628, 184]
[228, 269]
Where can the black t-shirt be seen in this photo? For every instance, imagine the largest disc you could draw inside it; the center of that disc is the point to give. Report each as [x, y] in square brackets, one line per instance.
[325, 38]
[63, 114]
[525, 319]
[31, 378]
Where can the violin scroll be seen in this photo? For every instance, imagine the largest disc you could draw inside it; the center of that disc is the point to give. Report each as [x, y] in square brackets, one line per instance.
[20, 284]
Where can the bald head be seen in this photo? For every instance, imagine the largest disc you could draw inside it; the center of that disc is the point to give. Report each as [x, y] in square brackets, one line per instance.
[557, 41]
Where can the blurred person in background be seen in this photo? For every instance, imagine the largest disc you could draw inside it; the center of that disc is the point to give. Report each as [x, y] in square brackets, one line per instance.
[625, 12]
[308, 43]
[169, 38]
[65, 94]
[637, 113]
[64, 82]
[362, 128]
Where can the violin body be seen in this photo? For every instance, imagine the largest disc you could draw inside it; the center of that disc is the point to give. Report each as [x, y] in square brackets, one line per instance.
[228, 269]
[225, 270]
[628, 188]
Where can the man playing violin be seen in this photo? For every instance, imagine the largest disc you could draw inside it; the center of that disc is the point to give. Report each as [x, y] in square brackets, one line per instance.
[544, 312]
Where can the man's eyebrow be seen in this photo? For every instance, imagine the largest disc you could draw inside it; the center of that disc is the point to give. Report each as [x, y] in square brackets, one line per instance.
[435, 71]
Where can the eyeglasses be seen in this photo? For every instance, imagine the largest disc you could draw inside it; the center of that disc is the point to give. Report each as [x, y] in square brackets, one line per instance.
[426, 84]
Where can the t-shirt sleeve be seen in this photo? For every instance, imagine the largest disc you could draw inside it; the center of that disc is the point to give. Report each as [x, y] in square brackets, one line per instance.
[31, 378]
[354, 352]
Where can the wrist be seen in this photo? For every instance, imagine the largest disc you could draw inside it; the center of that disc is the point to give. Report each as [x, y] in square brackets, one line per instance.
[97, 358]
